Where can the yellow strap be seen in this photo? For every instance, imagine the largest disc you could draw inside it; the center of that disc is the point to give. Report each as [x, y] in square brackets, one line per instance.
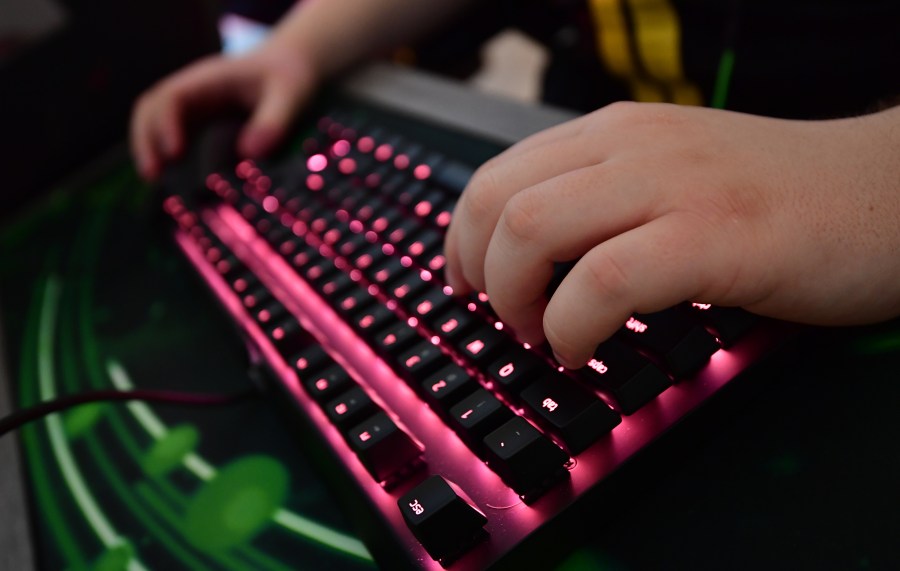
[658, 41]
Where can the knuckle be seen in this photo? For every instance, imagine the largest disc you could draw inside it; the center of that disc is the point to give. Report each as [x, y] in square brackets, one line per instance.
[605, 275]
[480, 194]
[521, 218]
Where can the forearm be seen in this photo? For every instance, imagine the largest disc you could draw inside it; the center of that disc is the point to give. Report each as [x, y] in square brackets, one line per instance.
[335, 34]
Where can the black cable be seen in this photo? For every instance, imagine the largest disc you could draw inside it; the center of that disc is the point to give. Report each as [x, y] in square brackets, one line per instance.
[21, 417]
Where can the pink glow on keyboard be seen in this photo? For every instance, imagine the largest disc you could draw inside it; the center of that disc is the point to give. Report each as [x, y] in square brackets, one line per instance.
[371, 237]
[498, 325]
[406, 261]
[483, 297]
[422, 172]
[315, 182]
[443, 219]
[383, 152]
[365, 144]
[299, 228]
[355, 275]
[223, 267]
[264, 315]
[240, 285]
[301, 364]
[355, 226]
[347, 166]
[211, 181]
[278, 334]
[701, 306]
[332, 236]
[243, 168]
[412, 321]
[425, 275]
[435, 340]
[634, 325]
[270, 204]
[388, 249]
[263, 184]
[472, 306]
[447, 290]
[423, 208]
[341, 148]
[416, 248]
[364, 261]
[366, 321]
[437, 262]
[401, 161]
[372, 289]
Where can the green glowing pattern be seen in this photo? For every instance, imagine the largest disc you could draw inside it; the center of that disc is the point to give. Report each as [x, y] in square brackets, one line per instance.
[169, 452]
[236, 504]
[64, 456]
[115, 559]
[82, 419]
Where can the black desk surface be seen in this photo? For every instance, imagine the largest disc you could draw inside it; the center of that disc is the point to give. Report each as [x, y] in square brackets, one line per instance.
[802, 473]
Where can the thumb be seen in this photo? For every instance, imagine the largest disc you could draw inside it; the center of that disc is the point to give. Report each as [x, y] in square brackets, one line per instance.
[270, 120]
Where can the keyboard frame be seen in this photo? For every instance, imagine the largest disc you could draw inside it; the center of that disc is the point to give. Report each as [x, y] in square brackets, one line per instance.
[519, 534]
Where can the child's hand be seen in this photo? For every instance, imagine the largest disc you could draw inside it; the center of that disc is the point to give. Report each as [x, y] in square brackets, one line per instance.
[662, 204]
[272, 83]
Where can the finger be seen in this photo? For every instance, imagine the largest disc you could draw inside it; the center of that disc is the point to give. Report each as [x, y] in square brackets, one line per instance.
[494, 184]
[141, 141]
[273, 115]
[558, 220]
[647, 269]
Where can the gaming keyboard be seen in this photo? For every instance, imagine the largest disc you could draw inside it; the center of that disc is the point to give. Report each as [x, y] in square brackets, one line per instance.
[449, 442]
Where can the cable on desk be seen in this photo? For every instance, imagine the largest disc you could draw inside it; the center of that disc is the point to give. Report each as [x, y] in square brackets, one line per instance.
[22, 417]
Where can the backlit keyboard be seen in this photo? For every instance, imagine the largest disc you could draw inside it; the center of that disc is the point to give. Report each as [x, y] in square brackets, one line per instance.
[449, 442]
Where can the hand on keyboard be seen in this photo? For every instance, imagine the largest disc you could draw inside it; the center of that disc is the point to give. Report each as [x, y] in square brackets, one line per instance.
[272, 83]
[666, 204]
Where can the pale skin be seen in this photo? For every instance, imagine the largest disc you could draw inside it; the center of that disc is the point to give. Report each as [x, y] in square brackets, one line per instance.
[660, 204]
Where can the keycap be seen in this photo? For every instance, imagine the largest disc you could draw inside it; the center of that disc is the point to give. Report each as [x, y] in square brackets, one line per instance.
[515, 368]
[477, 415]
[523, 457]
[729, 323]
[350, 408]
[328, 383]
[630, 379]
[447, 387]
[673, 336]
[483, 344]
[395, 338]
[382, 447]
[574, 414]
[444, 523]
[421, 359]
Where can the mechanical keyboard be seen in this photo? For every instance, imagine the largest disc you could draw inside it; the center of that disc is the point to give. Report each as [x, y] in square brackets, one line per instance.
[449, 442]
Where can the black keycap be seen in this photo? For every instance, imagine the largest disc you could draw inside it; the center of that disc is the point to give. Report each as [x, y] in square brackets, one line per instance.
[354, 302]
[630, 379]
[396, 338]
[351, 245]
[269, 313]
[484, 344]
[407, 287]
[288, 336]
[422, 359]
[427, 306]
[423, 242]
[729, 323]
[444, 523]
[572, 413]
[350, 408]
[336, 286]
[478, 415]
[382, 447]
[515, 369]
[674, 337]
[320, 271]
[309, 360]
[453, 324]
[386, 272]
[523, 457]
[374, 318]
[447, 387]
[327, 384]
[452, 175]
